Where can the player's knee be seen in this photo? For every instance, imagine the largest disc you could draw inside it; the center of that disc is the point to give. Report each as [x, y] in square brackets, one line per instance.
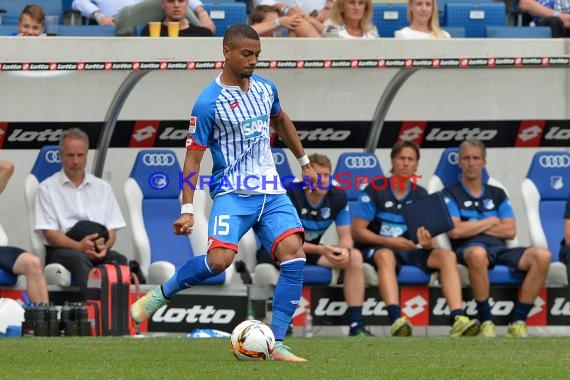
[383, 257]
[476, 257]
[542, 256]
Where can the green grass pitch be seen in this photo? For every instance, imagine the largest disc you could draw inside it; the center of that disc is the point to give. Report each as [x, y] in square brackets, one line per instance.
[328, 358]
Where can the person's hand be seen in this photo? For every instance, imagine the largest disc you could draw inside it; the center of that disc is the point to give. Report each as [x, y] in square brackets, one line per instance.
[424, 238]
[336, 255]
[184, 224]
[296, 11]
[495, 221]
[308, 172]
[99, 250]
[565, 18]
[290, 22]
[403, 243]
[107, 20]
[88, 242]
[321, 15]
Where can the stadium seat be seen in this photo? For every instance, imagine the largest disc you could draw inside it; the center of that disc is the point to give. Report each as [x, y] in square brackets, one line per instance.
[13, 9]
[85, 30]
[225, 14]
[6, 278]
[446, 174]
[352, 172]
[153, 201]
[441, 6]
[475, 17]
[545, 191]
[8, 30]
[518, 32]
[46, 164]
[390, 17]
[282, 165]
[455, 31]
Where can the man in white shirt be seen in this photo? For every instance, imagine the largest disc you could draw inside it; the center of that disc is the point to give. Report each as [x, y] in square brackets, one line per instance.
[70, 196]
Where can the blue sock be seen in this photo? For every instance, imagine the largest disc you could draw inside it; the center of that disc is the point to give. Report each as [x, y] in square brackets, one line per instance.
[521, 311]
[286, 296]
[355, 318]
[455, 313]
[394, 312]
[192, 273]
[484, 310]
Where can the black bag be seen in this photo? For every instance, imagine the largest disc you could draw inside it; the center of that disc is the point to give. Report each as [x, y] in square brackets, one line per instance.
[87, 227]
[108, 288]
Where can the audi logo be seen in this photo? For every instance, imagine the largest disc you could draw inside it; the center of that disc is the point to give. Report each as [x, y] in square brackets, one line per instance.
[158, 181]
[158, 159]
[52, 157]
[360, 162]
[279, 158]
[554, 161]
[453, 158]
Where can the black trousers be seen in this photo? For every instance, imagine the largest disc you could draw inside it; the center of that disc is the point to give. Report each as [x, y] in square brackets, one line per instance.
[79, 264]
[564, 258]
[556, 25]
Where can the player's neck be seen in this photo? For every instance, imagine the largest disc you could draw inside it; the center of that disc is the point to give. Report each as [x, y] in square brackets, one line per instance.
[315, 198]
[229, 79]
[473, 185]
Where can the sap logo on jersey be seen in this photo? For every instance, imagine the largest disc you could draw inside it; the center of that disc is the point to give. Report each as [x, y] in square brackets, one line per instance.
[392, 229]
[251, 128]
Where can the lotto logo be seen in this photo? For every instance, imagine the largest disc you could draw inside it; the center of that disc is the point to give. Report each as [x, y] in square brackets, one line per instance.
[415, 306]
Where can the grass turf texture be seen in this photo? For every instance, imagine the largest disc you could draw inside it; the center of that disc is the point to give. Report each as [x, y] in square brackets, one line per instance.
[328, 358]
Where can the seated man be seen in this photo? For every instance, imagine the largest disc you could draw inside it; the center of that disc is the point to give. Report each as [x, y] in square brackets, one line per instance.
[565, 243]
[552, 13]
[70, 196]
[484, 220]
[16, 260]
[317, 210]
[175, 11]
[381, 234]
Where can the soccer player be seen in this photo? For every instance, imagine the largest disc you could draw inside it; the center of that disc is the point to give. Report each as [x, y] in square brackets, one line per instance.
[381, 232]
[318, 209]
[483, 220]
[232, 117]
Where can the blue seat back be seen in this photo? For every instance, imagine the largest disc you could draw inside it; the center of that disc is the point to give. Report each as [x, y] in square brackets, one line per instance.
[225, 14]
[8, 30]
[518, 32]
[441, 7]
[13, 9]
[47, 163]
[448, 169]
[282, 165]
[455, 31]
[354, 170]
[550, 173]
[156, 172]
[86, 30]
[7, 278]
[475, 17]
[390, 17]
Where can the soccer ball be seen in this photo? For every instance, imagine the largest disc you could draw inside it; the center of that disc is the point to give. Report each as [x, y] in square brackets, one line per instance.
[252, 340]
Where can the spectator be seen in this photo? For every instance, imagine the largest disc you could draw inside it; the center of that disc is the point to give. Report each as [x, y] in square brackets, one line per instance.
[424, 21]
[381, 233]
[175, 11]
[351, 19]
[312, 12]
[242, 198]
[71, 196]
[552, 13]
[32, 20]
[267, 22]
[565, 243]
[484, 220]
[16, 260]
[317, 210]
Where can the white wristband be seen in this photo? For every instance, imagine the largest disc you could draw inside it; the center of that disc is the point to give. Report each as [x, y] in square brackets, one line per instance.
[303, 160]
[187, 208]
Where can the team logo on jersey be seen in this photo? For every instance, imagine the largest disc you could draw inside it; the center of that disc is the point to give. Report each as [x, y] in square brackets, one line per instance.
[190, 141]
[392, 229]
[192, 124]
[326, 212]
[234, 104]
[488, 204]
[467, 203]
[388, 204]
[252, 128]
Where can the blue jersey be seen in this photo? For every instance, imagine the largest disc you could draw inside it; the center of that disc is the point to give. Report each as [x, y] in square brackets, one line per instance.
[316, 219]
[493, 202]
[383, 209]
[235, 126]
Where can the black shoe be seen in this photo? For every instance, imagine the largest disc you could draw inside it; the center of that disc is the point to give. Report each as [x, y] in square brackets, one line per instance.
[360, 331]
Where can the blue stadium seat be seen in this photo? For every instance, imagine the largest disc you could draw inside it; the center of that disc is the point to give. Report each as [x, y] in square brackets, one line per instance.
[13, 9]
[282, 165]
[349, 168]
[6, 278]
[47, 163]
[446, 174]
[153, 197]
[455, 31]
[86, 30]
[225, 14]
[475, 17]
[8, 30]
[390, 17]
[518, 32]
[441, 5]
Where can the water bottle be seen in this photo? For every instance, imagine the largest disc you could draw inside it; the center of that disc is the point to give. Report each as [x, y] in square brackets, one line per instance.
[308, 328]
